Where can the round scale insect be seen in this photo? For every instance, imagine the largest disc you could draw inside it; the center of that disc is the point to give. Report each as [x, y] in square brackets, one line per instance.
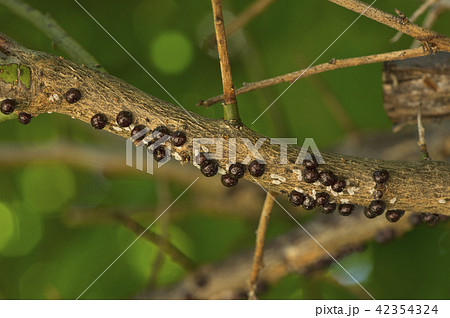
[256, 169]
[430, 218]
[329, 208]
[309, 203]
[296, 198]
[99, 121]
[24, 118]
[310, 175]
[137, 133]
[159, 153]
[369, 214]
[209, 168]
[381, 176]
[124, 118]
[178, 139]
[327, 177]
[160, 132]
[236, 170]
[8, 106]
[201, 159]
[377, 207]
[338, 185]
[322, 198]
[310, 162]
[73, 95]
[346, 209]
[394, 215]
[228, 180]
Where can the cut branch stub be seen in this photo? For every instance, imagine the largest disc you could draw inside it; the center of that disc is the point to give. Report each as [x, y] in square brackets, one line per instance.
[418, 82]
[413, 186]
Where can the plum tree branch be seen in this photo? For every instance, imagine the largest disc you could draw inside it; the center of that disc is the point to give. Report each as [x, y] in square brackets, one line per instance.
[413, 186]
[325, 67]
[293, 252]
[258, 262]
[439, 41]
[230, 106]
[434, 40]
[163, 243]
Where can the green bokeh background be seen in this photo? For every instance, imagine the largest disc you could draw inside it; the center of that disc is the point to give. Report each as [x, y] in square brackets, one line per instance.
[42, 256]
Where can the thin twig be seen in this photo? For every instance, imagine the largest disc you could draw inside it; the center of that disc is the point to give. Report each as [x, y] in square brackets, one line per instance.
[164, 244]
[414, 16]
[241, 21]
[439, 41]
[422, 143]
[332, 65]
[429, 20]
[54, 31]
[260, 239]
[230, 108]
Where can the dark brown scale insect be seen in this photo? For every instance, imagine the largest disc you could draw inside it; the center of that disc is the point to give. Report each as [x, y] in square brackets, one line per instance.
[160, 132]
[394, 215]
[209, 168]
[201, 159]
[430, 218]
[137, 133]
[178, 139]
[296, 198]
[99, 121]
[124, 118]
[310, 175]
[309, 203]
[73, 95]
[256, 169]
[369, 214]
[24, 118]
[346, 209]
[327, 178]
[159, 153]
[377, 207]
[381, 176]
[338, 185]
[228, 180]
[329, 208]
[322, 198]
[311, 162]
[8, 106]
[237, 170]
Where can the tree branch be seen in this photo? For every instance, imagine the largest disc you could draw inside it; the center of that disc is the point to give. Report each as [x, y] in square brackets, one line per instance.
[325, 67]
[413, 186]
[163, 243]
[258, 263]
[293, 252]
[230, 107]
[437, 40]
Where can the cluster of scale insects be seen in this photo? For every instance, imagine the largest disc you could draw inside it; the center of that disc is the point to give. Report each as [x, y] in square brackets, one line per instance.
[209, 167]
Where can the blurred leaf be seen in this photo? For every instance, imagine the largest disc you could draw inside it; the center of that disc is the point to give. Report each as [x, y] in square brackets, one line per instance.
[7, 226]
[27, 234]
[47, 187]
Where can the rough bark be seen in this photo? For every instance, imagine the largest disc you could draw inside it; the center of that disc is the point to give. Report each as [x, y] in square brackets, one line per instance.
[417, 82]
[421, 186]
